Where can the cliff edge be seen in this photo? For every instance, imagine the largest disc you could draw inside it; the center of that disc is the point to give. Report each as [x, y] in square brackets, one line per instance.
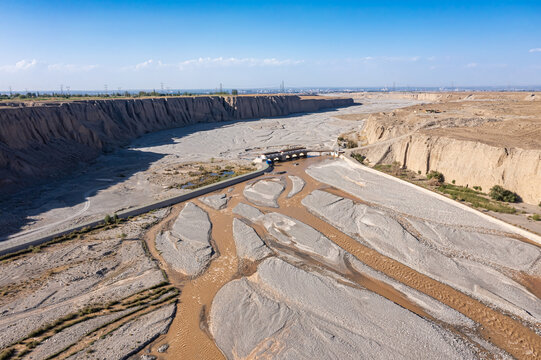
[484, 142]
[38, 141]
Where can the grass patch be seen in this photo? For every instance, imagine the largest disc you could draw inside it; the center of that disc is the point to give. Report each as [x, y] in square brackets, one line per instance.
[7, 354]
[360, 158]
[438, 176]
[205, 177]
[474, 197]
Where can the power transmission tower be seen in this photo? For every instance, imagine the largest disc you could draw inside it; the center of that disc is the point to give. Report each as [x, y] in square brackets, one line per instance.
[68, 90]
[10, 91]
[161, 85]
[62, 89]
[282, 87]
[105, 87]
[221, 89]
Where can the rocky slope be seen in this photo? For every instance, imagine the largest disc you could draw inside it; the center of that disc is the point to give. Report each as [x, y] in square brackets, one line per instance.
[48, 139]
[475, 143]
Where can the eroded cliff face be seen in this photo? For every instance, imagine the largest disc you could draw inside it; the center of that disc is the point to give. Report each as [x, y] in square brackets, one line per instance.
[467, 162]
[45, 140]
[475, 146]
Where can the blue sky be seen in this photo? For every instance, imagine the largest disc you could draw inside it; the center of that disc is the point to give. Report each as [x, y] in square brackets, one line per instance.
[242, 44]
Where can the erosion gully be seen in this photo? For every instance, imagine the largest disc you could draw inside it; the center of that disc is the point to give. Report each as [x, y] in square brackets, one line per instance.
[188, 336]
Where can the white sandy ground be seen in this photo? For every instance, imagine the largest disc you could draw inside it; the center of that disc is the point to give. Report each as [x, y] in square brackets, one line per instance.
[264, 192]
[247, 243]
[283, 312]
[187, 246]
[294, 234]
[130, 337]
[249, 212]
[69, 277]
[99, 189]
[298, 185]
[216, 201]
[436, 238]
[72, 335]
[297, 235]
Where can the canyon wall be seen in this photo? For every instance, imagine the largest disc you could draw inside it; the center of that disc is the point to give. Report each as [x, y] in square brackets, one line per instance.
[48, 139]
[472, 163]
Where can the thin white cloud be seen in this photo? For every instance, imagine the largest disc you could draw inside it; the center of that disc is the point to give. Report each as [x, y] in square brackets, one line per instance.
[471, 65]
[232, 61]
[208, 62]
[21, 65]
[535, 50]
[71, 67]
[391, 58]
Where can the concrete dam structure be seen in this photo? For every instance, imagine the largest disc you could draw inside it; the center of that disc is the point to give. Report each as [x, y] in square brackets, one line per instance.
[47, 139]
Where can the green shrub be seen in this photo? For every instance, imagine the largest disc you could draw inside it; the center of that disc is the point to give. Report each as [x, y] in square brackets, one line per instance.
[7, 354]
[360, 158]
[536, 217]
[107, 219]
[453, 182]
[500, 194]
[419, 172]
[478, 188]
[350, 144]
[435, 175]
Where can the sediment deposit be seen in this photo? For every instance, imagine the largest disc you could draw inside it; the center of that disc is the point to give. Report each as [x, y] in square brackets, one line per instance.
[286, 313]
[264, 192]
[249, 245]
[343, 267]
[187, 246]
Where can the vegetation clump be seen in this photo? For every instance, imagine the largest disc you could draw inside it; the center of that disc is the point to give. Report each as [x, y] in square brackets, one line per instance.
[475, 198]
[435, 175]
[7, 354]
[350, 144]
[360, 158]
[500, 194]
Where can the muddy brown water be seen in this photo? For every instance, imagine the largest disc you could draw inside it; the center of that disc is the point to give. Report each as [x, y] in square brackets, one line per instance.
[189, 338]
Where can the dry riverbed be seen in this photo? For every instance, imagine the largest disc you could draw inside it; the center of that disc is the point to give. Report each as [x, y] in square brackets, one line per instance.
[319, 259]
